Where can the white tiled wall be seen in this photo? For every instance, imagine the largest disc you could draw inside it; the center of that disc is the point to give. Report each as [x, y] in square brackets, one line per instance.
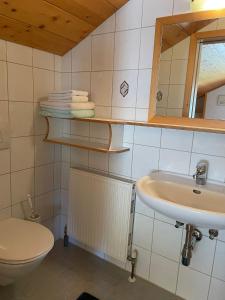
[121, 49]
[29, 166]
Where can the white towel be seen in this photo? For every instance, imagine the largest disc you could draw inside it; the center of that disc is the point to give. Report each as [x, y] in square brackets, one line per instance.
[69, 98]
[67, 106]
[69, 93]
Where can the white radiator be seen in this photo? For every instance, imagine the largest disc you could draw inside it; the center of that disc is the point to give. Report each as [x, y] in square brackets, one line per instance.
[100, 212]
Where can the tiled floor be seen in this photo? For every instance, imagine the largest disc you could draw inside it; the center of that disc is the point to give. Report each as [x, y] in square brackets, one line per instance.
[67, 272]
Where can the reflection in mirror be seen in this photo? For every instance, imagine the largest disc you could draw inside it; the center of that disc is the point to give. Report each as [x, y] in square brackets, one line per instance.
[204, 95]
[208, 99]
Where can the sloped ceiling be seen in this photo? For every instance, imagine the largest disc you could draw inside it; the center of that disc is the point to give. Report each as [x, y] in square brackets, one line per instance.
[53, 25]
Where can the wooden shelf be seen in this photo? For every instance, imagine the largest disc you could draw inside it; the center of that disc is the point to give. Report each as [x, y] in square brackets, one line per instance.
[86, 145]
[114, 144]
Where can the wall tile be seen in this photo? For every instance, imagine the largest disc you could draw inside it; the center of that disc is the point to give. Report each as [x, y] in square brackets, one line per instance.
[2, 50]
[148, 136]
[4, 161]
[57, 176]
[43, 84]
[178, 71]
[65, 176]
[177, 139]
[128, 134]
[129, 16]
[79, 157]
[21, 118]
[103, 112]
[203, 255]
[81, 56]
[67, 81]
[127, 45]
[167, 240]
[19, 77]
[174, 161]
[120, 163]
[143, 92]
[141, 155]
[187, 287]
[40, 124]
[3, 82]
[131, 79]
[103, 95]
[143, 228]
[98, 161]
[22, 153]
[217, 289]
[123, 113]
[102, 52]
[80, 128]
[141, 208]
[81, 81]
[44, 206]
[218, 269]
[44, 152]
[146, 50]
[151, 11]
[209, 143]
[67, 62]
[141, 114]
[19, 54]
[5, 213]
[22, 184]
[58, 63]
[5, 200]
[163, 272]
[44, 60]
[43, 179]
[100, 131]
[143, 262]
[181, 6]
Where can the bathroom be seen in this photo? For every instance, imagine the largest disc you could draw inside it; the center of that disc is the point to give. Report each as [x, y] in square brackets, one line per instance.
[114, 64]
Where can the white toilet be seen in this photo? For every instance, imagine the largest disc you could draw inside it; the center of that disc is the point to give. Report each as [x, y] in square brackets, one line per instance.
[23, 246]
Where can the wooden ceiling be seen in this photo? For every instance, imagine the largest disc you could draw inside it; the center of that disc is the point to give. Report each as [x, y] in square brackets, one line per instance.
[53, 25]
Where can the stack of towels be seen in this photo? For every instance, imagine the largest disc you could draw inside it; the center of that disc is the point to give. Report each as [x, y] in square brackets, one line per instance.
[68, 104]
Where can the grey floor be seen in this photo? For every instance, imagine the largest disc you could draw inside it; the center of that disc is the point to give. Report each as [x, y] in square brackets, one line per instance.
[67, 272]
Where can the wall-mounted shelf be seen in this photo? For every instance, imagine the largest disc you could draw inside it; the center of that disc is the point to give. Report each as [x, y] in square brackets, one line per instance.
[114, 144]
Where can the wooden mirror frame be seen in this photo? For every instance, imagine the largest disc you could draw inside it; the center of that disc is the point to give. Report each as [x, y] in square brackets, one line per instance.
[182, 122]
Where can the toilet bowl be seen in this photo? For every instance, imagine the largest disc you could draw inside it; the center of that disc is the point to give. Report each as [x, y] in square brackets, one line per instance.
[23, 246]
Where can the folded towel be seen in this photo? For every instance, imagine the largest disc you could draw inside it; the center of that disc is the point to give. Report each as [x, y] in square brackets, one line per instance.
[89, 113]
[69, 92]
[67, 106]
[69, 98]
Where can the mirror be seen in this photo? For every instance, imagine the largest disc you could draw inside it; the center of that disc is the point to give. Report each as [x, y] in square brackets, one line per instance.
[190, 71]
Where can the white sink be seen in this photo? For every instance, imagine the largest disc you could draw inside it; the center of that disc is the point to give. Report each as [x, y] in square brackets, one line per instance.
[178, 197]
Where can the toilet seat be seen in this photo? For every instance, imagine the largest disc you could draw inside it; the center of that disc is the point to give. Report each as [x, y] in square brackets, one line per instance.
[23, 241]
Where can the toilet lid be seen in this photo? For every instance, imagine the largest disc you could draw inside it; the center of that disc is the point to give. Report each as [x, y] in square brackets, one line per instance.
[22, 241]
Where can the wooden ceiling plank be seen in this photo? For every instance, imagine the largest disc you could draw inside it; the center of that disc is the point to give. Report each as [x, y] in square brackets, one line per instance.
[92, 11]
[46, 17]
[117, 3]
[18, 32]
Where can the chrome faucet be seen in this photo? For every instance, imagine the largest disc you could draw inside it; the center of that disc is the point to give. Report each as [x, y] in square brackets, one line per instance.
[201, 172]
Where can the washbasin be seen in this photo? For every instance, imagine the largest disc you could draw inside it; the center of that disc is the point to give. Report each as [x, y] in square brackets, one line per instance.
[180, 198]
